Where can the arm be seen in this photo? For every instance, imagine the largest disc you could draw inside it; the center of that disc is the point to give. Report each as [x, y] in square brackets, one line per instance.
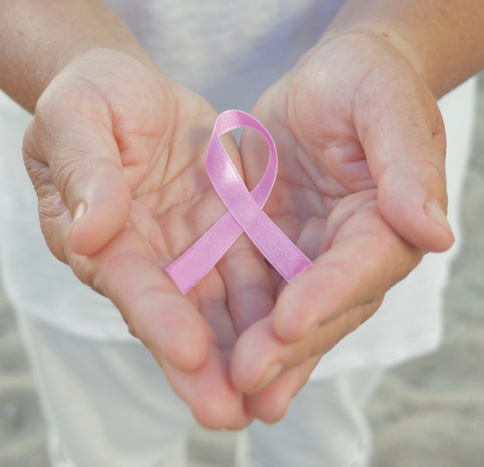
[40, 38]
[442, 40]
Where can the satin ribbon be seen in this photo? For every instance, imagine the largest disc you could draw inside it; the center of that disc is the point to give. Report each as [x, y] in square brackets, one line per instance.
[244, 214]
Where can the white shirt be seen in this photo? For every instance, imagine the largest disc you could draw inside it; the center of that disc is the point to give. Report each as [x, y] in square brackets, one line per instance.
[228, 51]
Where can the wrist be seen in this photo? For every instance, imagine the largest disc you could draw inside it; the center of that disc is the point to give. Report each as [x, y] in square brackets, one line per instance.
[441, 40]
[382, 37]
[40, 38]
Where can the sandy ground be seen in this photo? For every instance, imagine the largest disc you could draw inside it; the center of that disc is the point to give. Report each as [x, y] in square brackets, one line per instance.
[427, 413]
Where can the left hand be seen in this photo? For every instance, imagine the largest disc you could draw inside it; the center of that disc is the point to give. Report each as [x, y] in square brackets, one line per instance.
[360, 189]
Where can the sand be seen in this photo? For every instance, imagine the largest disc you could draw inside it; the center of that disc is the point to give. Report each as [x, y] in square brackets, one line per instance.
[427, 413]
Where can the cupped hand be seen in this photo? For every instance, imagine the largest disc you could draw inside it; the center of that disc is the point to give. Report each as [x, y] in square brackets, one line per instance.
[116, 154]
[360, 189]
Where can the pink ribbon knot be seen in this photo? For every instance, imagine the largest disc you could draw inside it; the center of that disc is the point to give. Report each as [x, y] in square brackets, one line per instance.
[244, 214]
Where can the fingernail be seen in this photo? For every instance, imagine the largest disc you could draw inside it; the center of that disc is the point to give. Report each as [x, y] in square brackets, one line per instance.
[273, 422]
[272, 370]
[79, 212]
[435, 213]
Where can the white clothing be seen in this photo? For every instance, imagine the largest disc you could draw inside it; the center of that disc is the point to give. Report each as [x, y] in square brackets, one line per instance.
[105, 400]
[230, 68]
[107, 404]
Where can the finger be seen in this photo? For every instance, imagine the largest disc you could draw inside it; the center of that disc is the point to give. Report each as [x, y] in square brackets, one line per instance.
[260, 356]
[127, 272]
[403, 136]
[248, 284]
[364, 260]
[412, 199]
[271, 403]
[71, 141]
[214, 402]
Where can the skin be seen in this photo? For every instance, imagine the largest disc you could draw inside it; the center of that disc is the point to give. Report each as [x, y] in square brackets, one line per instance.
[118, 166]
[348, 197]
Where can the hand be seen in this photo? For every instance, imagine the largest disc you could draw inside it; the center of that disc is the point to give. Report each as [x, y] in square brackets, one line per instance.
[116, 154]
[360, 189]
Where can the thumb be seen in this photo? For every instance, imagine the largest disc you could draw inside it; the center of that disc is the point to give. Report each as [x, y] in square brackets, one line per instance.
[412, 199]
[99, 209]
[74, 164]
[405, 148]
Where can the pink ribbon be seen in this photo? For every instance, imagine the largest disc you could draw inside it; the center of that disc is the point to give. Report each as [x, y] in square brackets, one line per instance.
[244, 214]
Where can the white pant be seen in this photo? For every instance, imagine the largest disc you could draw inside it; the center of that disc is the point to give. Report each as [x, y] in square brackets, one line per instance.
[108, 404]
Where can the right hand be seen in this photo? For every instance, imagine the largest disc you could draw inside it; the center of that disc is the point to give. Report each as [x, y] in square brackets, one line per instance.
[360, 189]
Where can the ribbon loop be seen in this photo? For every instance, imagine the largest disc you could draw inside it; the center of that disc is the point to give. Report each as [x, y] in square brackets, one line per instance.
[244, 213]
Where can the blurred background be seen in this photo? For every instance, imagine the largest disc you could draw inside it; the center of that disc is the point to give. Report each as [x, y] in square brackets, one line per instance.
[427, 413]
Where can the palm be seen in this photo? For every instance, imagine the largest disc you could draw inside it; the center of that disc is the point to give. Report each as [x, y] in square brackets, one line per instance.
[324, 178]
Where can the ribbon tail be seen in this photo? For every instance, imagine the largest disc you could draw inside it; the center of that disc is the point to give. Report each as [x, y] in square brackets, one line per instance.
[286, 258]
[202, 256]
